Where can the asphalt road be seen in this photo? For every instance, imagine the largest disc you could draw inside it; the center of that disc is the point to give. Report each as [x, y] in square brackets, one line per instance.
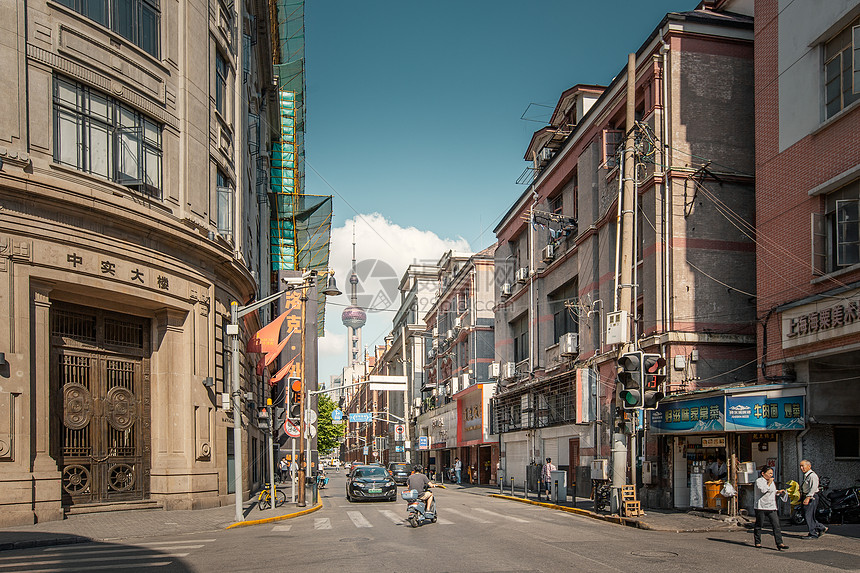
[474, 534]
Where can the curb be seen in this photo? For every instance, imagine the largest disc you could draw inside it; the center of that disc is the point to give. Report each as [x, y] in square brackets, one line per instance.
[618, 520]
[276, 518]
[583, 512]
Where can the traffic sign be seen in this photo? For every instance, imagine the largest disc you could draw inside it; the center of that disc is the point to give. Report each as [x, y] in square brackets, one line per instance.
[337, 414]
[291, 428]
[365, 450]
[423, 442]
[398, 448]
[399, 432]
[310, 416]
[361, 417]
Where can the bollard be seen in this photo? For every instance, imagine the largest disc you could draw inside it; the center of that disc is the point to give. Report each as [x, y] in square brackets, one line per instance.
[512, 487]
[555, 483]
[526, 488]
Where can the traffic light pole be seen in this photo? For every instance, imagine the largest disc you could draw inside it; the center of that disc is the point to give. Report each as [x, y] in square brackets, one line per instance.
[301, 501]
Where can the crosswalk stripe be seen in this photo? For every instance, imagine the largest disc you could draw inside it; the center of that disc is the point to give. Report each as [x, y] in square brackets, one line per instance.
[65, 561]
[112, 567]
[283, 528]
[396, 519]
[511, 517]
[322, 523]
[461, 514]
[357, 519]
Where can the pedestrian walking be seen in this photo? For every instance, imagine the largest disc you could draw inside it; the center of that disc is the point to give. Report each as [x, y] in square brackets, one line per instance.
[809, 493]
[765, 507]
[546, 475]
[283, 469]
[458, 470]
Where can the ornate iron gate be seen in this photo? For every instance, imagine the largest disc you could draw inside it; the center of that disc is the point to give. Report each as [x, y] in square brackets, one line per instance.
[100, 375]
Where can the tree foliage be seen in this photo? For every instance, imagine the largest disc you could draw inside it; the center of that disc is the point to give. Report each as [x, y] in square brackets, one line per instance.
[328, 433]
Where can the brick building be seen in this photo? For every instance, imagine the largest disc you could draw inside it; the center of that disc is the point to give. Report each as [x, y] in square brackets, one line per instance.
[808, 245]
[694, 287]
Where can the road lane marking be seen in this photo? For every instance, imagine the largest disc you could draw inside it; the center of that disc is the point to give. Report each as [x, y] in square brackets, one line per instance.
[282, 528]
[395, 519]
[112, 567]
[357, 519]
[511, 517]
[466, 515]
[443, 521]
[322, 523]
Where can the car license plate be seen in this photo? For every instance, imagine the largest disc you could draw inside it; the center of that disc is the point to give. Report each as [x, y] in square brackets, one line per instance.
[374, 490]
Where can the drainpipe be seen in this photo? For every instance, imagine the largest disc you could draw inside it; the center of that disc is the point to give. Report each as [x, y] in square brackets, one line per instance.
[667, 191]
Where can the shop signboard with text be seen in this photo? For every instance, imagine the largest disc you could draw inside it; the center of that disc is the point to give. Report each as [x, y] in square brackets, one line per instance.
[763, 412]
[701, 415]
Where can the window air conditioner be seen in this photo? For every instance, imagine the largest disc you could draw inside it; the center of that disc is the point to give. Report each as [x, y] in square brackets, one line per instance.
[569, 344]
[506, 289]
[548, 253]
[450, 335]
[522, 274]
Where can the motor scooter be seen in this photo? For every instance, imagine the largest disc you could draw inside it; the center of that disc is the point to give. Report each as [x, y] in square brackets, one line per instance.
[417, 512]
[322, 481]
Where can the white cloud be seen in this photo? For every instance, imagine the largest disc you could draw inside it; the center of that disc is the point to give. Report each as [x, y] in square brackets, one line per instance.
[383, 251]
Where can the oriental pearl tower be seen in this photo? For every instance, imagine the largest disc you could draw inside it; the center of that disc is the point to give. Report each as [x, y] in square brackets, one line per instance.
[353, 317]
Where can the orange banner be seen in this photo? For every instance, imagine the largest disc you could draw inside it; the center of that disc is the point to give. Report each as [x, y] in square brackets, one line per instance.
[266, 339]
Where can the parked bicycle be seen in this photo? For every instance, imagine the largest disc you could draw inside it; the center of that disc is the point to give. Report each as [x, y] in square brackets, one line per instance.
[264, 498]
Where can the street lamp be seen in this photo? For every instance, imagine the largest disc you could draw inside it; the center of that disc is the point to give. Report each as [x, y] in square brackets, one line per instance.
[236, 312]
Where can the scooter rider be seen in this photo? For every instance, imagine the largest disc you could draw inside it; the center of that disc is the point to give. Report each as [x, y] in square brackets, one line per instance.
[420, 482]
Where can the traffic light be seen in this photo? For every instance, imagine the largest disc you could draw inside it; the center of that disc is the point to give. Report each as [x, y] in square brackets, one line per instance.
[278, 415]
[294, 392]
[629, 387]
[263, 421]
[654, 373]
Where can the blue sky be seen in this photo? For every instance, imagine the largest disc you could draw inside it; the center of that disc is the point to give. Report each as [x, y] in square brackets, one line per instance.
[413, 114]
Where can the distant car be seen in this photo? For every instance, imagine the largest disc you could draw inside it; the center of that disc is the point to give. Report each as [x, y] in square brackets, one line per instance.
[400, 471]
[370, 482]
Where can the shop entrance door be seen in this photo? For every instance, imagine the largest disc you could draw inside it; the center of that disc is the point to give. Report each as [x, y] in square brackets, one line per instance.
[100, 380]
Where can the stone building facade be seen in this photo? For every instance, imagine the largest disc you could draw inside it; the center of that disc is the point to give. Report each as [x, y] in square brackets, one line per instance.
[130, 218]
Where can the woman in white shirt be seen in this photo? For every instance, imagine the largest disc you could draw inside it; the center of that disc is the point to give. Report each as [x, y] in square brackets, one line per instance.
[765, 507]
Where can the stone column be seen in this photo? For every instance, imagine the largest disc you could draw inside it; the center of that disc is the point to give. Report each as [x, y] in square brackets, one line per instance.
[47, 482]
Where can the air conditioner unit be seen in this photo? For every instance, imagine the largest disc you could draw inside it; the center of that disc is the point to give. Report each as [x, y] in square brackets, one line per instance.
[545, 154]
[509, 370]
[435, 331]
[435, 343]
[495, 370]
[506, 289]
[522, 274]
[450, 335]
[548, 253]
[458, 322]
[569, 344]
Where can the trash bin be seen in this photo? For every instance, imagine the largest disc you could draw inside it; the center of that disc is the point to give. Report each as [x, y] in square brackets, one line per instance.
[558, 486]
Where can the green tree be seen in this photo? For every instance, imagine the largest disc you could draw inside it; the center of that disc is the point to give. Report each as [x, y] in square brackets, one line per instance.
[328, 433]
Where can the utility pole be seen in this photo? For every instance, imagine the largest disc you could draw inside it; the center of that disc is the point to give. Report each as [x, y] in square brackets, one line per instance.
[620, 445]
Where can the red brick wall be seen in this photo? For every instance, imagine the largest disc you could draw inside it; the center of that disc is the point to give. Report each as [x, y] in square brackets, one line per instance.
[783, 205]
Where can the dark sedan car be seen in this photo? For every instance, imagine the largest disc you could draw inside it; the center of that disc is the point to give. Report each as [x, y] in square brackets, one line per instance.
[400, 471]
[370, 482]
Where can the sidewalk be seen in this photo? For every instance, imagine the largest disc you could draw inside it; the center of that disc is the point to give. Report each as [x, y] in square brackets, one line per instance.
[117, 525]
[653, 520]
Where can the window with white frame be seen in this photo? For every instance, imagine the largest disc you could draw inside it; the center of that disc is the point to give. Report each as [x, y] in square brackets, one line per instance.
[842, 69]
[836, 232]
[137, 21]
[100, 135]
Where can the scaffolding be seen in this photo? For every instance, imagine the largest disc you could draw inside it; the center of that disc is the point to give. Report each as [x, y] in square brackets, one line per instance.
[301, 224]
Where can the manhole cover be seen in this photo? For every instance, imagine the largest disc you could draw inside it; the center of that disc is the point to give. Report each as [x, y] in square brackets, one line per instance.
[353, 539]
[654, 554]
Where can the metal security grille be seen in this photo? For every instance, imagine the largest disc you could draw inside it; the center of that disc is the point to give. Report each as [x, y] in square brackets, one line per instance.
[540, 406]
[100, 380]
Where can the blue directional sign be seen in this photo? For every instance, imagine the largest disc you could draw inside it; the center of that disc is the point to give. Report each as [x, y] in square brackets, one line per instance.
[361, 417]
[398, 448]
[337, 414]
[423, 442]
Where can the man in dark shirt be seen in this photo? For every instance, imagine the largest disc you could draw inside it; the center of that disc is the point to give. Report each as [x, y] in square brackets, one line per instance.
[420, 482]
